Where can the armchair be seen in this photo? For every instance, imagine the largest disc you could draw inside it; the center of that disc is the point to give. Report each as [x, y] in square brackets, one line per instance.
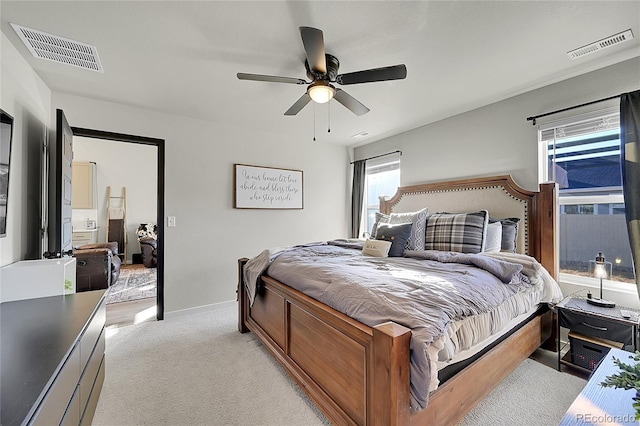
[148, 239]
[97, 266]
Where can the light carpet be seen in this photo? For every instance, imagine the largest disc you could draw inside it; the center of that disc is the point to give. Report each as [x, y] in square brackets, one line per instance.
[198, 370]
[133, 284]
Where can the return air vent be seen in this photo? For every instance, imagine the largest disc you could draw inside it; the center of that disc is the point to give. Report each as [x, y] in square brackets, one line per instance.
[59, 49]
[599, 45]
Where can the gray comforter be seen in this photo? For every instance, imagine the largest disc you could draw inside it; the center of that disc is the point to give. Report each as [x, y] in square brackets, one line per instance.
[425, 291]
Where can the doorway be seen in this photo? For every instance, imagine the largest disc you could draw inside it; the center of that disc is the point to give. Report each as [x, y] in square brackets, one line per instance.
[140, 141]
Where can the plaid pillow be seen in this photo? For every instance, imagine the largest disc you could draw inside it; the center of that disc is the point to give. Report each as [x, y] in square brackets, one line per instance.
[459, 232]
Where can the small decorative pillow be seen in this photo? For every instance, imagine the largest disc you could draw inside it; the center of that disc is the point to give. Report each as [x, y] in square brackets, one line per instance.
[416, 219]
[459, 232]
[493, 241]
[376, 248]
[397, 235]
[509, 233]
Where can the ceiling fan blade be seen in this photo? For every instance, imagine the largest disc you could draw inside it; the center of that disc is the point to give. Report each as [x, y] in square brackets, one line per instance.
[395, 72]
[314, 47]
[350, 102]
[270, 78]
[300, 103]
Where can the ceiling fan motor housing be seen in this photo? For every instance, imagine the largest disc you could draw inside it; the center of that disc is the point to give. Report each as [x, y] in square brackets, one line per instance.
[332, 64]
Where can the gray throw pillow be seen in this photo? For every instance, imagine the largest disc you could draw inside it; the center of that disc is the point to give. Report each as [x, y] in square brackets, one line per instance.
[509, 233]
[397, 235]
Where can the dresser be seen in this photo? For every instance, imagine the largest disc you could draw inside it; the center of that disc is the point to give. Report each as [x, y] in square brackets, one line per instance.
[52, 354]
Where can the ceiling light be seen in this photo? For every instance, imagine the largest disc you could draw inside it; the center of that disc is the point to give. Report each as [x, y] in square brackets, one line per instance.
[361, 134]
[321, 91]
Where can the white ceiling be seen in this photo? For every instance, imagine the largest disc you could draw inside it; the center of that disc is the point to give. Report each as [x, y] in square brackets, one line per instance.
[182, 57]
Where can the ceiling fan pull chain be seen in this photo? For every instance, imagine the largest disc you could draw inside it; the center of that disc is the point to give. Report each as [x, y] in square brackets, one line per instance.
[314, 122]
[329, 125]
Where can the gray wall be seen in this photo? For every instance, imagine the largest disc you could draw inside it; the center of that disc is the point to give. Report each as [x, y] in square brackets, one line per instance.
[201, 252]
[25, 97]
[497, 139]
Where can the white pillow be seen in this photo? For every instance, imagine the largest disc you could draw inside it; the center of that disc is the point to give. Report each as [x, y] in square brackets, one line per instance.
[493, 240]
[377, 248]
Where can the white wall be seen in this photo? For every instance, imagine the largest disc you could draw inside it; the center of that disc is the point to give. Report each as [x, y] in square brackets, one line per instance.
[497, 139]
[120, 164]
[27, 99]
[201, 252]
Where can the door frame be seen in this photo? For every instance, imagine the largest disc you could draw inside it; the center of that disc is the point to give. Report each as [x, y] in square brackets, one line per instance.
[159, 144]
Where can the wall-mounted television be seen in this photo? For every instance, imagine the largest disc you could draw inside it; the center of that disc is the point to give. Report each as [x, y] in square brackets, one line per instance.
[6, 132]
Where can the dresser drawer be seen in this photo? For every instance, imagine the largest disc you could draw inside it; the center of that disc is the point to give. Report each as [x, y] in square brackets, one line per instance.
[56, 401]
[597, 327]
[92, 333]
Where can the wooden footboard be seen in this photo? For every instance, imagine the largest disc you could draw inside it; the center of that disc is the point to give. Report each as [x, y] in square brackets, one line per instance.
[360, 375]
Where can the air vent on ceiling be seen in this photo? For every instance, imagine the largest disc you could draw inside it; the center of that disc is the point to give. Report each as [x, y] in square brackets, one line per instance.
[59, 49]
[601, 44]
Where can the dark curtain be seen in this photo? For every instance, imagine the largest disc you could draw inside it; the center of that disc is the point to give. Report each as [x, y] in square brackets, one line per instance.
[630, 162]
[357, 195]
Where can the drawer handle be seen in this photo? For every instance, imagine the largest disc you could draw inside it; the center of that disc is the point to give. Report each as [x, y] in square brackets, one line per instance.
[594, 327]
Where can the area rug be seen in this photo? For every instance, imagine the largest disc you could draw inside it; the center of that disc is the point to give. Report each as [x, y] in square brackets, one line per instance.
[133, 284]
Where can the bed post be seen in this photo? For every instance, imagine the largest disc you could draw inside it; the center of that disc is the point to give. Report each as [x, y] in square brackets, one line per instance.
[243, 302]
[546, 219]
[389, 393]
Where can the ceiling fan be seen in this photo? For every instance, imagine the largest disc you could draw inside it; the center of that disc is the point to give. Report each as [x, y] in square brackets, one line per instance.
[322, 70]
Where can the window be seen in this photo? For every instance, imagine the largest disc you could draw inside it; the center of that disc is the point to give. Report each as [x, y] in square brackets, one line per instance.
[582, 154]
[382, 178]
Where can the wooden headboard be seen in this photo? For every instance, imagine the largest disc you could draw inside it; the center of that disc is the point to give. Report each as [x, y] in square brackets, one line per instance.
[502, 197]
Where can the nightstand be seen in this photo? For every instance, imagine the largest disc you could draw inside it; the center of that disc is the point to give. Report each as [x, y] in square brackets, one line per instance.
[593, 331]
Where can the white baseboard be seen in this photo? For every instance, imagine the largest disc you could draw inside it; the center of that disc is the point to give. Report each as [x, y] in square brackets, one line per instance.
[199, 309]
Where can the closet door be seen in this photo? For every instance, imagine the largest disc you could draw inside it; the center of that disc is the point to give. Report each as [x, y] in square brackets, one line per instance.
[83, 177]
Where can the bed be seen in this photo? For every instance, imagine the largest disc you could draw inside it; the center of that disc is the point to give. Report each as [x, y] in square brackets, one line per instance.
[360, 374]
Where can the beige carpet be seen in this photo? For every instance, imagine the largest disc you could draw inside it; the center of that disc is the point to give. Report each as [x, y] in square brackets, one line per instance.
[198, 370]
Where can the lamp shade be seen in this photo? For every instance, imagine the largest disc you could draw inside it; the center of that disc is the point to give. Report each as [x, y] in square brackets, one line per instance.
[321, 92]
[600, 268]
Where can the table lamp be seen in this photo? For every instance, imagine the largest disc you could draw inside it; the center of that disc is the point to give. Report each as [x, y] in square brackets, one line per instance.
[601, 269]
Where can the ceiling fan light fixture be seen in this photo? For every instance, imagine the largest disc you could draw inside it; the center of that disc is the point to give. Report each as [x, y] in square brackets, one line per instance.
[321, 92]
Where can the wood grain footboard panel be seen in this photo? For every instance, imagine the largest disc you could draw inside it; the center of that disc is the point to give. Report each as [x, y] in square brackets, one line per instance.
[318, 349]
[348, 369]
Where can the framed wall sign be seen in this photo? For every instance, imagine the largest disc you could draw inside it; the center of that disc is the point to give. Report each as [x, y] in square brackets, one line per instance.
[267, 188]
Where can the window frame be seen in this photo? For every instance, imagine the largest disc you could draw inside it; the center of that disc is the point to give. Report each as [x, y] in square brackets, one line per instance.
[605, 195]
[381, 166]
